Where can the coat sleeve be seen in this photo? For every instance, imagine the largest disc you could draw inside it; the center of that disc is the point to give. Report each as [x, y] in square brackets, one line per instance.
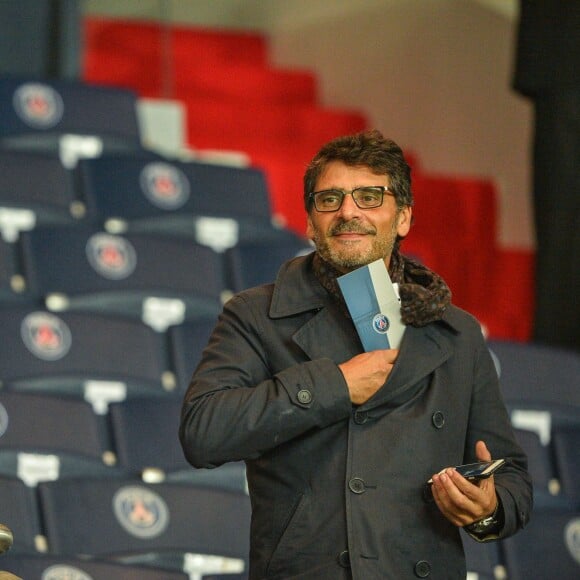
[236, 408]
[489, 421]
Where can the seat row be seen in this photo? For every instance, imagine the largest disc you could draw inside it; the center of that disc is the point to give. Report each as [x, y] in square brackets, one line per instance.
[163, 528]
[158, 278]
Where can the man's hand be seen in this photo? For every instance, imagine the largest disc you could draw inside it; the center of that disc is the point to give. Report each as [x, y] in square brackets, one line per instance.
[461, 501]
[366, 373]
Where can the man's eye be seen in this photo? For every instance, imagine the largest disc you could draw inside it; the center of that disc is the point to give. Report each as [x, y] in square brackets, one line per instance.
[329, 198]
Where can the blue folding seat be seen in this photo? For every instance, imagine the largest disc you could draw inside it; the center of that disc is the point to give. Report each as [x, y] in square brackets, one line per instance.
[567, 451]
[35, 189]
[102, 358]
[186, 343]
[49, 567]
[545, 478]
[19, 510]
[180, 527]
[482, 559]
[48, 437]
[71, 118]
[539, 377]
[217, 205]
[546, 548]
[146, 441]
[12, 283]
[160, 279]
[257, 262]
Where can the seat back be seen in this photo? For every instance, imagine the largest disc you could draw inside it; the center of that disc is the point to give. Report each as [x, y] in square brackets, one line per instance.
[160, 279]
[71, 118]
[45, 437]
[19, 511]
[99, 357]
[546, 548]
[159, 524]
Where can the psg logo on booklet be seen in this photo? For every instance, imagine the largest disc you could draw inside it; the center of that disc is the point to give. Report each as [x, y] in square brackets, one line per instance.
[112, 257]
[61, 572]
[46, 336]
[141, 512]
[38, 105]
[381, 323]
[164, 186]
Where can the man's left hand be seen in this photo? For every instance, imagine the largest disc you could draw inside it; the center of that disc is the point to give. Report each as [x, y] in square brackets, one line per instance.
[461, 501]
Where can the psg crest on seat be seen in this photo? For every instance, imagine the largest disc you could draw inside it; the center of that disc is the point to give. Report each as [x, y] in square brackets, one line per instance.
[141, 512]
[38, 105]
[45, 335]
[111, 256]
[164, 185]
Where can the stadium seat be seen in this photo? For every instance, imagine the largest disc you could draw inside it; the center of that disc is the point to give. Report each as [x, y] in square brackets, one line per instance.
[216, 205]
[547, 548]
[35, 189]
[19, 511]
[180, 527]
[547, 486]
[539, 377]
[254, 263]
[70, 118]
[102, 358]
[566, 442]
[53, 567]
[482, 559]
[162, 280]
[186, 343]
[12, 283]
[45, 437]
[145, 437]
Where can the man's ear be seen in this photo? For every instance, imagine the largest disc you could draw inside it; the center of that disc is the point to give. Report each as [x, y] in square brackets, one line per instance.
[309, 228]
[404, 221]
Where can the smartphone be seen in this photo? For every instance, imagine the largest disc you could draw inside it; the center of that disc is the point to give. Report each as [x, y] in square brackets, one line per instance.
[480, 470]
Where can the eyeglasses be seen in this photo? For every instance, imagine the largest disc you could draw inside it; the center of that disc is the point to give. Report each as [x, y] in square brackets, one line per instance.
[364, 197]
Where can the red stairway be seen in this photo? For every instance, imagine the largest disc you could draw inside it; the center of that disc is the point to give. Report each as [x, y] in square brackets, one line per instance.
[236, 100]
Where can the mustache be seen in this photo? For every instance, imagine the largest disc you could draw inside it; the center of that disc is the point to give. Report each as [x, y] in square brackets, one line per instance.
[351, 227]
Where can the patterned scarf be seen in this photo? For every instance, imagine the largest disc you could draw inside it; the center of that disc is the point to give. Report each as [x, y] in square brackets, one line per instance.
[424, 294]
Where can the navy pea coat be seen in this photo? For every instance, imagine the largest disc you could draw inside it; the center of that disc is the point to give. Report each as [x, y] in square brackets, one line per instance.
[338, 491]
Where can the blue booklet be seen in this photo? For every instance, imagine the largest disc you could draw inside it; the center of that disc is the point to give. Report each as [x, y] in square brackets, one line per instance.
[374, 306]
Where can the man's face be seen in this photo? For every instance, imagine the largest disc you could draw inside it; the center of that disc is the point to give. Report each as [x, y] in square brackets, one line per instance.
[352, 237]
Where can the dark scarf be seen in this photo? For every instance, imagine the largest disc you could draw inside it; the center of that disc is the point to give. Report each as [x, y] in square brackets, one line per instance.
[424, 294]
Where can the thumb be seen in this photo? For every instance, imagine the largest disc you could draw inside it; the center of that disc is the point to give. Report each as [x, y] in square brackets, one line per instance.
[482, 452]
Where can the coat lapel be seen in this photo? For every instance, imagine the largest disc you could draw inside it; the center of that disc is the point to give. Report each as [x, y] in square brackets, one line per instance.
[422, 351]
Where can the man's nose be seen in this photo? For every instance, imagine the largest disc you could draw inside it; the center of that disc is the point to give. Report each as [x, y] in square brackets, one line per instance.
[349, 208]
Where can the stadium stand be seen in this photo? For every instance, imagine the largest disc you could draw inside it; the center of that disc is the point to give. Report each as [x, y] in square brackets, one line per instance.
[123, 437]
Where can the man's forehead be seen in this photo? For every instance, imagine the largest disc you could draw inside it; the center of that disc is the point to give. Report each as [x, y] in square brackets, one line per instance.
[336, 172]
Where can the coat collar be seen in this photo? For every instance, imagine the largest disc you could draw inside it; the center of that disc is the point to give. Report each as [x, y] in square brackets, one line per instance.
[329, 334]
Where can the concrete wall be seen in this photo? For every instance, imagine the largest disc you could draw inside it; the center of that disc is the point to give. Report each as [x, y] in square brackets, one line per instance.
[432, 74]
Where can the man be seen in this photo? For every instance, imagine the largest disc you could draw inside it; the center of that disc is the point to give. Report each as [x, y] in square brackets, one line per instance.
[338, 442]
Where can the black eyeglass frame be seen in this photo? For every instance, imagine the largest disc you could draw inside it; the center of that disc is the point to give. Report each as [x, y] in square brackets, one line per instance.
[382, 188]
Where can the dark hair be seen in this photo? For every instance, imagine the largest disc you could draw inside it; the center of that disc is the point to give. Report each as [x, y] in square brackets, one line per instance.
[369, 149]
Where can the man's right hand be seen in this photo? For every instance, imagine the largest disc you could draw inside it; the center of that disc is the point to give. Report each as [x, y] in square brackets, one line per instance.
[366, 373]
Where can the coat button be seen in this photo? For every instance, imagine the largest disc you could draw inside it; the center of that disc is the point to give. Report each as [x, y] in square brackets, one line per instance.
[361, 417]
[356, 485]
[344, 559]
[304, 396]
[438, 419]
[422, 569]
